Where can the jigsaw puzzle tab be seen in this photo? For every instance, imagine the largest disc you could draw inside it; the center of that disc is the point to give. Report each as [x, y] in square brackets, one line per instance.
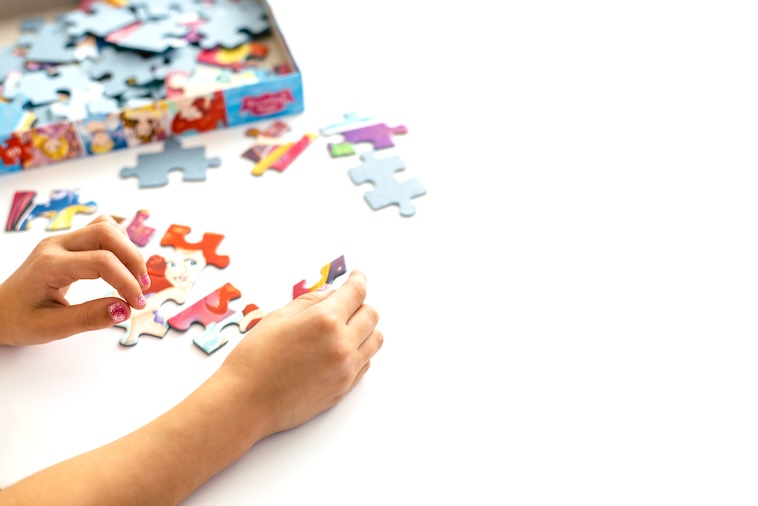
[329, 273]
[387, 190]
[153, 168]
[212, 339]
[214, 307]
[175, 236]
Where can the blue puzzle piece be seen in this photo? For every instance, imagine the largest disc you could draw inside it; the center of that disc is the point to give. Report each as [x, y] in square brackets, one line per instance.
[101, 21]
[152, 168]
[41, 87]
[387, 190]
[230, 23]
[155, 36]
[120, 71]
[9, 62]
[162, 9]
[49, 44]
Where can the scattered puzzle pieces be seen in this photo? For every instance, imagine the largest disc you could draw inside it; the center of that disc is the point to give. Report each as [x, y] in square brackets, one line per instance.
[152, 168]
[387, 190]
[329, 273]
[282, 156]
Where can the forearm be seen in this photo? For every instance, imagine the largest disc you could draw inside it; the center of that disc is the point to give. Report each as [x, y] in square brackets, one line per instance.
[160, 463]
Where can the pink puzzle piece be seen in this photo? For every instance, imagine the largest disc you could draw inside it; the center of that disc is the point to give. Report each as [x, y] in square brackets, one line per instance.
[212, 339]
[139, 233]
[329, 273]
[213, 308]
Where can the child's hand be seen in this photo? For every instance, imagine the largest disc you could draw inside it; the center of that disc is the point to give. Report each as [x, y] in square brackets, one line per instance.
[34, 307]
[304, 357]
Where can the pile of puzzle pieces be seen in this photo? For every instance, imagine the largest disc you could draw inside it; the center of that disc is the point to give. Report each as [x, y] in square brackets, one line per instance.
[114, 61]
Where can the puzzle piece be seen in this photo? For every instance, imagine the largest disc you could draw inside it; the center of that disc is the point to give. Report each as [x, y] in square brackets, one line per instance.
[172, 278]
[120, 71]
[155, 36]
[379, 135]
[176, 237]
[139, 233]
[329, 273]
[13, 117]
[211, 339]
[48, 44]
[162, 9]
[42, 87]
[281, 157]
[22, 201]
[237, 58]
[100, 19]
[214, 307]
[387, 190]
[230, 24]
[152, 168]
[10, 62]
[60, 211]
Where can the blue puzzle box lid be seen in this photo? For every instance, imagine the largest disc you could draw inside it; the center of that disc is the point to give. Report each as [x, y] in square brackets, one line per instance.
[97, 77]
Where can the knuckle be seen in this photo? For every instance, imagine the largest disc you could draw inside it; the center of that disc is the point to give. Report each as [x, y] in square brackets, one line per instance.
[87, 320]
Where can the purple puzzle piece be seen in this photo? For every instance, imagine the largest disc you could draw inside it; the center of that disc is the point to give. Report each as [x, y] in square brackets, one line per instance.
[379, 135]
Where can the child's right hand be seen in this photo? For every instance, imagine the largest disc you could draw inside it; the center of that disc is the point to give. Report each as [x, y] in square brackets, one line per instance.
[304, 357]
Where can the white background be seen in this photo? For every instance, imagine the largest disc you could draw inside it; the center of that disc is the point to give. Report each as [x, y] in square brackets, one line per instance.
[569, 316]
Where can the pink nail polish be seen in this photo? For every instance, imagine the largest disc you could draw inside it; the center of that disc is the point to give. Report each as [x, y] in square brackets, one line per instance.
[145, 280]
[323, 287]
[117, 312]
[141, 301]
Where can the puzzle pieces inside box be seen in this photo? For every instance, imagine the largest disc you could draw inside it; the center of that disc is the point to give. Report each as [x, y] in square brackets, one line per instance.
[214, 307]
[99, 19]
[387, 190]
[48, 43]
[212, 339]
[329, 273]
[153, 168]
[60, 211]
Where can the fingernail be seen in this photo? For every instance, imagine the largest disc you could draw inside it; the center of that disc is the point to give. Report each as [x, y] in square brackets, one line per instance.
[145, 280]
[141, 301]
[323, 287]
[117, 312]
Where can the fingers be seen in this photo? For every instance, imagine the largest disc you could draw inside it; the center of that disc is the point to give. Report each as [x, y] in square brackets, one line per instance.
[307, 300]
[362, 323]
[349, 297]
[103, 264]
[104, 233]
[92, 315]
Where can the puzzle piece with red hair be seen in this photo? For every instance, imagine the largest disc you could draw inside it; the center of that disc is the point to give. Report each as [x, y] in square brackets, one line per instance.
[212, 338]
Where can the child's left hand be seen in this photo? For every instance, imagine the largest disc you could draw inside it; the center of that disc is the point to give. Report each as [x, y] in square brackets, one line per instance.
[33, 307]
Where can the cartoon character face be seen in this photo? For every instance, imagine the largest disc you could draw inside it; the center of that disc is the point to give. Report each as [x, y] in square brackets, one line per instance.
[101, 142]
[183, 268]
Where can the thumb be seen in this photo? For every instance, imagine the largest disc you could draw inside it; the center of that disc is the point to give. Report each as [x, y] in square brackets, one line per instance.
[308, 299]
[92, 315]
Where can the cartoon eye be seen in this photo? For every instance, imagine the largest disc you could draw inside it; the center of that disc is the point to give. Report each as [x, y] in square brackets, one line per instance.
[171, 264]
[191, 262]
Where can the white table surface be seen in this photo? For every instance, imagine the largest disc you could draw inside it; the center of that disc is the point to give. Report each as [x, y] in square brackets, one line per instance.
[569, 316]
